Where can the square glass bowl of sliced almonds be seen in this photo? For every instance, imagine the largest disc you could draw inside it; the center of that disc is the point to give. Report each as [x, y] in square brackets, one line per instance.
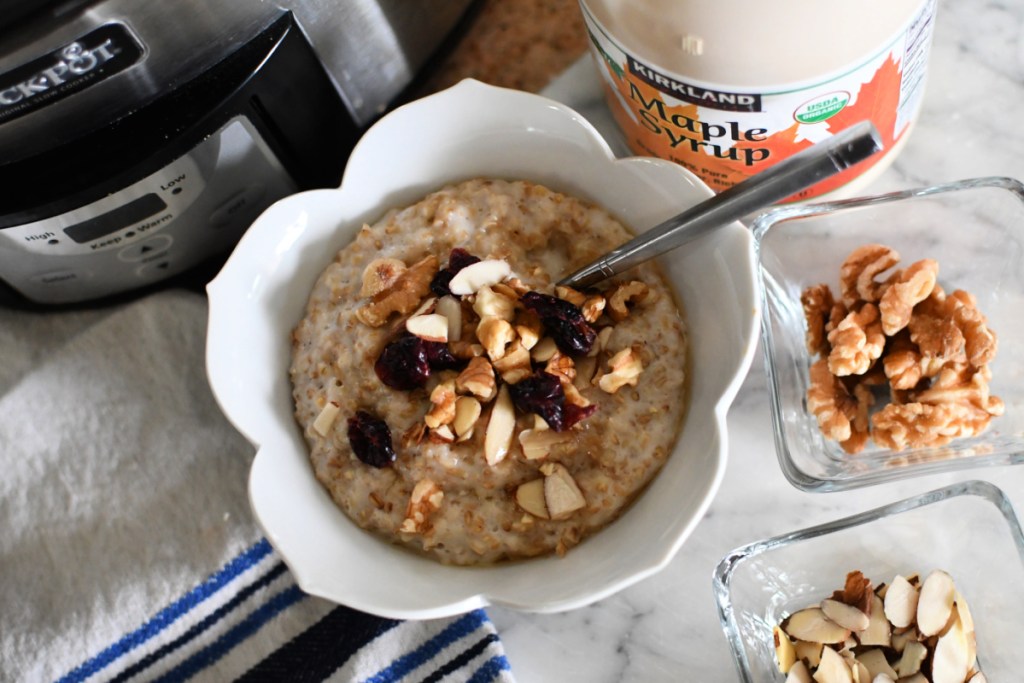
[891, 332]
[924, 589]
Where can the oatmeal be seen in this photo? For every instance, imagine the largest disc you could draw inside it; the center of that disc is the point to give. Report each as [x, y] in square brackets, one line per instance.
[457, 402]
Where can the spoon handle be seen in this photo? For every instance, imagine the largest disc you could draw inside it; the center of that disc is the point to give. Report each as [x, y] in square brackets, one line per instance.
[782, 180]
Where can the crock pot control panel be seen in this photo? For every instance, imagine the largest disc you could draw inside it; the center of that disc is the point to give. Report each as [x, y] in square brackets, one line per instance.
[197, 205]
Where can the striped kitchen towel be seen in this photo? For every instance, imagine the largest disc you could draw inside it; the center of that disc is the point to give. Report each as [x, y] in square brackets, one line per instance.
[128, 551]
[250, 622]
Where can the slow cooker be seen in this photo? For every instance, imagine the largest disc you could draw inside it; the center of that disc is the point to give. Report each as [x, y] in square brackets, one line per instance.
[139, 140]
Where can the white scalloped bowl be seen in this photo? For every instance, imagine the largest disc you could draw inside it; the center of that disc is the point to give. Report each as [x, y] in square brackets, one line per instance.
[471, 130]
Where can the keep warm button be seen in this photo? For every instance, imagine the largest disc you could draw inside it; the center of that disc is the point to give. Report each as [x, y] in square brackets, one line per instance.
[146, 249]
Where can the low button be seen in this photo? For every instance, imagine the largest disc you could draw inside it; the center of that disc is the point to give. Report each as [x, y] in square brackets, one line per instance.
[238, 203]
[145, 249]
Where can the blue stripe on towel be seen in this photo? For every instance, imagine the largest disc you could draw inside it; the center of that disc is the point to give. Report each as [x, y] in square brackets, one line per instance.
[245, 628]
[403, 665]
[490, 670]
[198, 628]
[170, 614]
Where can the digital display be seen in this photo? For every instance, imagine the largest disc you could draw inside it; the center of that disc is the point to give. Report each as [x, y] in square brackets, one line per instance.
[112, 221]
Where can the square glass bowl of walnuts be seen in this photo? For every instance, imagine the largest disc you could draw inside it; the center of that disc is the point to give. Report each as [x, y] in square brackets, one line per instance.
[891, 332]
[923, 589]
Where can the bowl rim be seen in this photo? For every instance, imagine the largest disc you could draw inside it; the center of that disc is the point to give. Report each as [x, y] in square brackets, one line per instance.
[736, 239]
[727, 566]
[761, 227]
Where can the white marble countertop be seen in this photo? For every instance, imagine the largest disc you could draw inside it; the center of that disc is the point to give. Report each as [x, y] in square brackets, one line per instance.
[666, 628]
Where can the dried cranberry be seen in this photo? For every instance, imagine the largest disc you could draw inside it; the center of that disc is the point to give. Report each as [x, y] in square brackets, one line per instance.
[457, 260]
[403, 364]
[439, 357]
[563, 321]
[574, 413]
[370, 439]
[541, 393]
[441, 282]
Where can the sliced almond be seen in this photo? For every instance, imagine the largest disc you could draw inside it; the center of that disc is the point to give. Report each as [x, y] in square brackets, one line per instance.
[951, 660]
[878, 632]
[809, 652]
[832, 668]
[901, 602]
[442, 434]
[561, 493]
[799, 673]
[500, 427]
[451, 309]
[537, 444]
[430, 327]
[859, 671]
[883, 678]
[785, 653]
[910, 663]
[543, 350]
[480, 274]
[935, 602]
[876, 663]
[380, 274]
[964, 614]
[467, 412]
[900, 640]
[530, 497]
[847, 616]
[325, 420]
[812, 625]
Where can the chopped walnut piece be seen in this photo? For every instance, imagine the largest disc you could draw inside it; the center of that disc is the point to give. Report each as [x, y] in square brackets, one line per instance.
[562, 367]
[979, 341]
[380, 274]
[938, 339]
[443, 400]
[573, 396]
[860, 426]
[490, 304]
[923, 425]
[817, 303]
[403, 296]
[633, 292]
[465, 350]
[496, 335]
[528, 326]
[858, 272]
[909, 288]
[625, 368]
[593, 307]
[573, 296]
[515, 365]
[963, 385]
[902, 363]
[477, 379]
[856, 342]
[830, 402]
[425, 499]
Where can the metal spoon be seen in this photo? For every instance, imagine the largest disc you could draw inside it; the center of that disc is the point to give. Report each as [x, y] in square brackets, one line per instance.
[782, 180]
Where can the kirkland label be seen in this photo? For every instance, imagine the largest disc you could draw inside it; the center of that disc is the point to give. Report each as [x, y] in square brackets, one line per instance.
[95, 56]
[725, 134]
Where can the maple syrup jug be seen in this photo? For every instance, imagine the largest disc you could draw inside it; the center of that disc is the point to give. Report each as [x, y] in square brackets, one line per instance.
[729, 87]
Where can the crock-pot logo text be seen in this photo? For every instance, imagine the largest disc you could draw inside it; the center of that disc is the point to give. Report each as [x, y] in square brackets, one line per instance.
[87, 60]
[75, 61]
